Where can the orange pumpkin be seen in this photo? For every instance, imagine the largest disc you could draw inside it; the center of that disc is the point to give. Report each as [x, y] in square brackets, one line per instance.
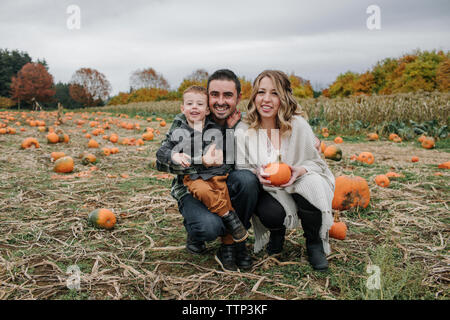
[102, 218]
[428, 143]
[106, 151]
[350, 191]
[382, 180]
[28, 142]
[444, 165]
[56, 155]
[52, 138]
[366, 157]
[88, 158]
[279, 173]
[333, 153]
[64, 165]
[93, 144]
[114, 150]
[415, 159]
[338, 140]
[339, 229]
[148, 136]
[114, 138]
[323, 146]
[372, 136]
[162, 123]
[393, 175]
[421, 138]
[392, 136]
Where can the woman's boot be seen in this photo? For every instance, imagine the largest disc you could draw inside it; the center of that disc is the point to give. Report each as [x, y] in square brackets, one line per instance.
[311, 223]
[276, 241]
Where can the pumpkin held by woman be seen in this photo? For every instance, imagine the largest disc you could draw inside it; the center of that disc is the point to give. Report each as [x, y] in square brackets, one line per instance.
[279, 173]
[102, 218]
[350, 191]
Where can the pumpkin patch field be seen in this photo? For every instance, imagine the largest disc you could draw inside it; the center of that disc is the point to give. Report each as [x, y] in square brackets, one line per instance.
[84, 214]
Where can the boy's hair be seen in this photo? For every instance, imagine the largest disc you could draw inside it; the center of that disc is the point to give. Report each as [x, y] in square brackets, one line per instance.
[225, 74]
[195, 89]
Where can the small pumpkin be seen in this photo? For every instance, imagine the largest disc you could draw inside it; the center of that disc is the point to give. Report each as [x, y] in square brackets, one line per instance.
[52, 138]
[333, 153]
[428, 143]
[279, 173]
[350, 191]
[114, 138]
[28, 142]
[88, 158]
[366, 157]
[338, 140]
[162, 123]
[57, 155]
[444, 165]
[93, 144]
[64, 165]
[148, 136]
[415, 159]
[394, 175]
[323, 146]
[382, 180]
[339, 229]
[102, 218]
[392, 136]
[372, 136]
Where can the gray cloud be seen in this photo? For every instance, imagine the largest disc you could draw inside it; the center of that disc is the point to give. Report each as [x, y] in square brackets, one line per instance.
[315, 40]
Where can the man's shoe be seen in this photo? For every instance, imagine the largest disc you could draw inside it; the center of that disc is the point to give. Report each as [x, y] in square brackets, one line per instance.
[276, 241]
[235, 226]
[195, 247]
[226, 257]
[243, 258]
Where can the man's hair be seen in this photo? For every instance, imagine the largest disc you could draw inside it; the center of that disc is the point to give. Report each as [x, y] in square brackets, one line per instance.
[225, 74]
[196, 89]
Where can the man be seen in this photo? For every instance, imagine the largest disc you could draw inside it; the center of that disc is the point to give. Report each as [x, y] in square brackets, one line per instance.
[224, 94]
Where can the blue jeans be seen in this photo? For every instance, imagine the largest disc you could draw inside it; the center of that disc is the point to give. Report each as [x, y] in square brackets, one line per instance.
[202, 225]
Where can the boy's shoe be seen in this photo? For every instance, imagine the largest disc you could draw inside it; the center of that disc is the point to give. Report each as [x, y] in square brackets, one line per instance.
[195, 247]
[243, 258]
[235, 226]
[226, 257]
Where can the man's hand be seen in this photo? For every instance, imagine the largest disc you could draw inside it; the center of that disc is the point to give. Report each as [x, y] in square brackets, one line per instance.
[233, 118]
[212, 157]
[182, 159]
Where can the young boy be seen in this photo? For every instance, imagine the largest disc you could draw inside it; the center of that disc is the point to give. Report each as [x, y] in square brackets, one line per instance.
[208, 184]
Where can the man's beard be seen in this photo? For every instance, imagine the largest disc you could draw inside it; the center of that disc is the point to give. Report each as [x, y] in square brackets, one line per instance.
[221, 115]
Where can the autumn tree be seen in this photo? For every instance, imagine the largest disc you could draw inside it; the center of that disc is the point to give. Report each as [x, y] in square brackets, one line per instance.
[148, 78]
[443, 75]
[246, 88]
[89, 87]
[198, 77]
[301, 88]
[32, 83]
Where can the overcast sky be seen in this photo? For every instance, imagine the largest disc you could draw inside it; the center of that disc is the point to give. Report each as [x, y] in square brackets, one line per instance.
[316, 40]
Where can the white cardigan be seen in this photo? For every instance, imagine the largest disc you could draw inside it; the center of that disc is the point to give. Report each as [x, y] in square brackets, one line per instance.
[254, 149]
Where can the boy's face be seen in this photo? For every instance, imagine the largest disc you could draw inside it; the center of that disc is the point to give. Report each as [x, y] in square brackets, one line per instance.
[195, 107]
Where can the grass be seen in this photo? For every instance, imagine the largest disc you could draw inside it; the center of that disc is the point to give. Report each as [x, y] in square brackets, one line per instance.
[44, 230]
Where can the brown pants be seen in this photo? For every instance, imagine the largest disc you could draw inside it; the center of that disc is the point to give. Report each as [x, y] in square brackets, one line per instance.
[213, 193]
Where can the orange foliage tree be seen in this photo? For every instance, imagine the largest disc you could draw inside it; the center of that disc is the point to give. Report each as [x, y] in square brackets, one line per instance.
[32, 81]
[301, 88]
[148, 78]
[198, 78]
[89, 87]
[246, 88]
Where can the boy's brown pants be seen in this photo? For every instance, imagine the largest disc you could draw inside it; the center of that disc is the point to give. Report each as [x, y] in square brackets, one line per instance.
[213, 193]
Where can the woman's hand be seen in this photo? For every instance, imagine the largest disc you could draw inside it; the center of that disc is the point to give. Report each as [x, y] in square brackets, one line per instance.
[262, 176]
[182, 159]
[295, 173]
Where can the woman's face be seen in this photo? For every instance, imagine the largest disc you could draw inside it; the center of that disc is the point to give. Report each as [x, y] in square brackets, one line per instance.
[267, 101]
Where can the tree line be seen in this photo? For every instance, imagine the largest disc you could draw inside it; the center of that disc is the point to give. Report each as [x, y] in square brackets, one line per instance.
[26, 83]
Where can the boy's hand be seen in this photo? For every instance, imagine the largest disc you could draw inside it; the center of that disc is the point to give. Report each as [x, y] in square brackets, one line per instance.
[233, 118]
[182, 159]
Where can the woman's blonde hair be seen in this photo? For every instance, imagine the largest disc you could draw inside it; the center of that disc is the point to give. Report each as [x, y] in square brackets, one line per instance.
[288, 105]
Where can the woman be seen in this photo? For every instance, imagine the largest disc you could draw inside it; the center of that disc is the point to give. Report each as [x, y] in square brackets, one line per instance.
[273, 128]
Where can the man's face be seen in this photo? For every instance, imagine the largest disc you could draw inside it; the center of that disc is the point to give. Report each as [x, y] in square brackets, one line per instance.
[223, 98]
